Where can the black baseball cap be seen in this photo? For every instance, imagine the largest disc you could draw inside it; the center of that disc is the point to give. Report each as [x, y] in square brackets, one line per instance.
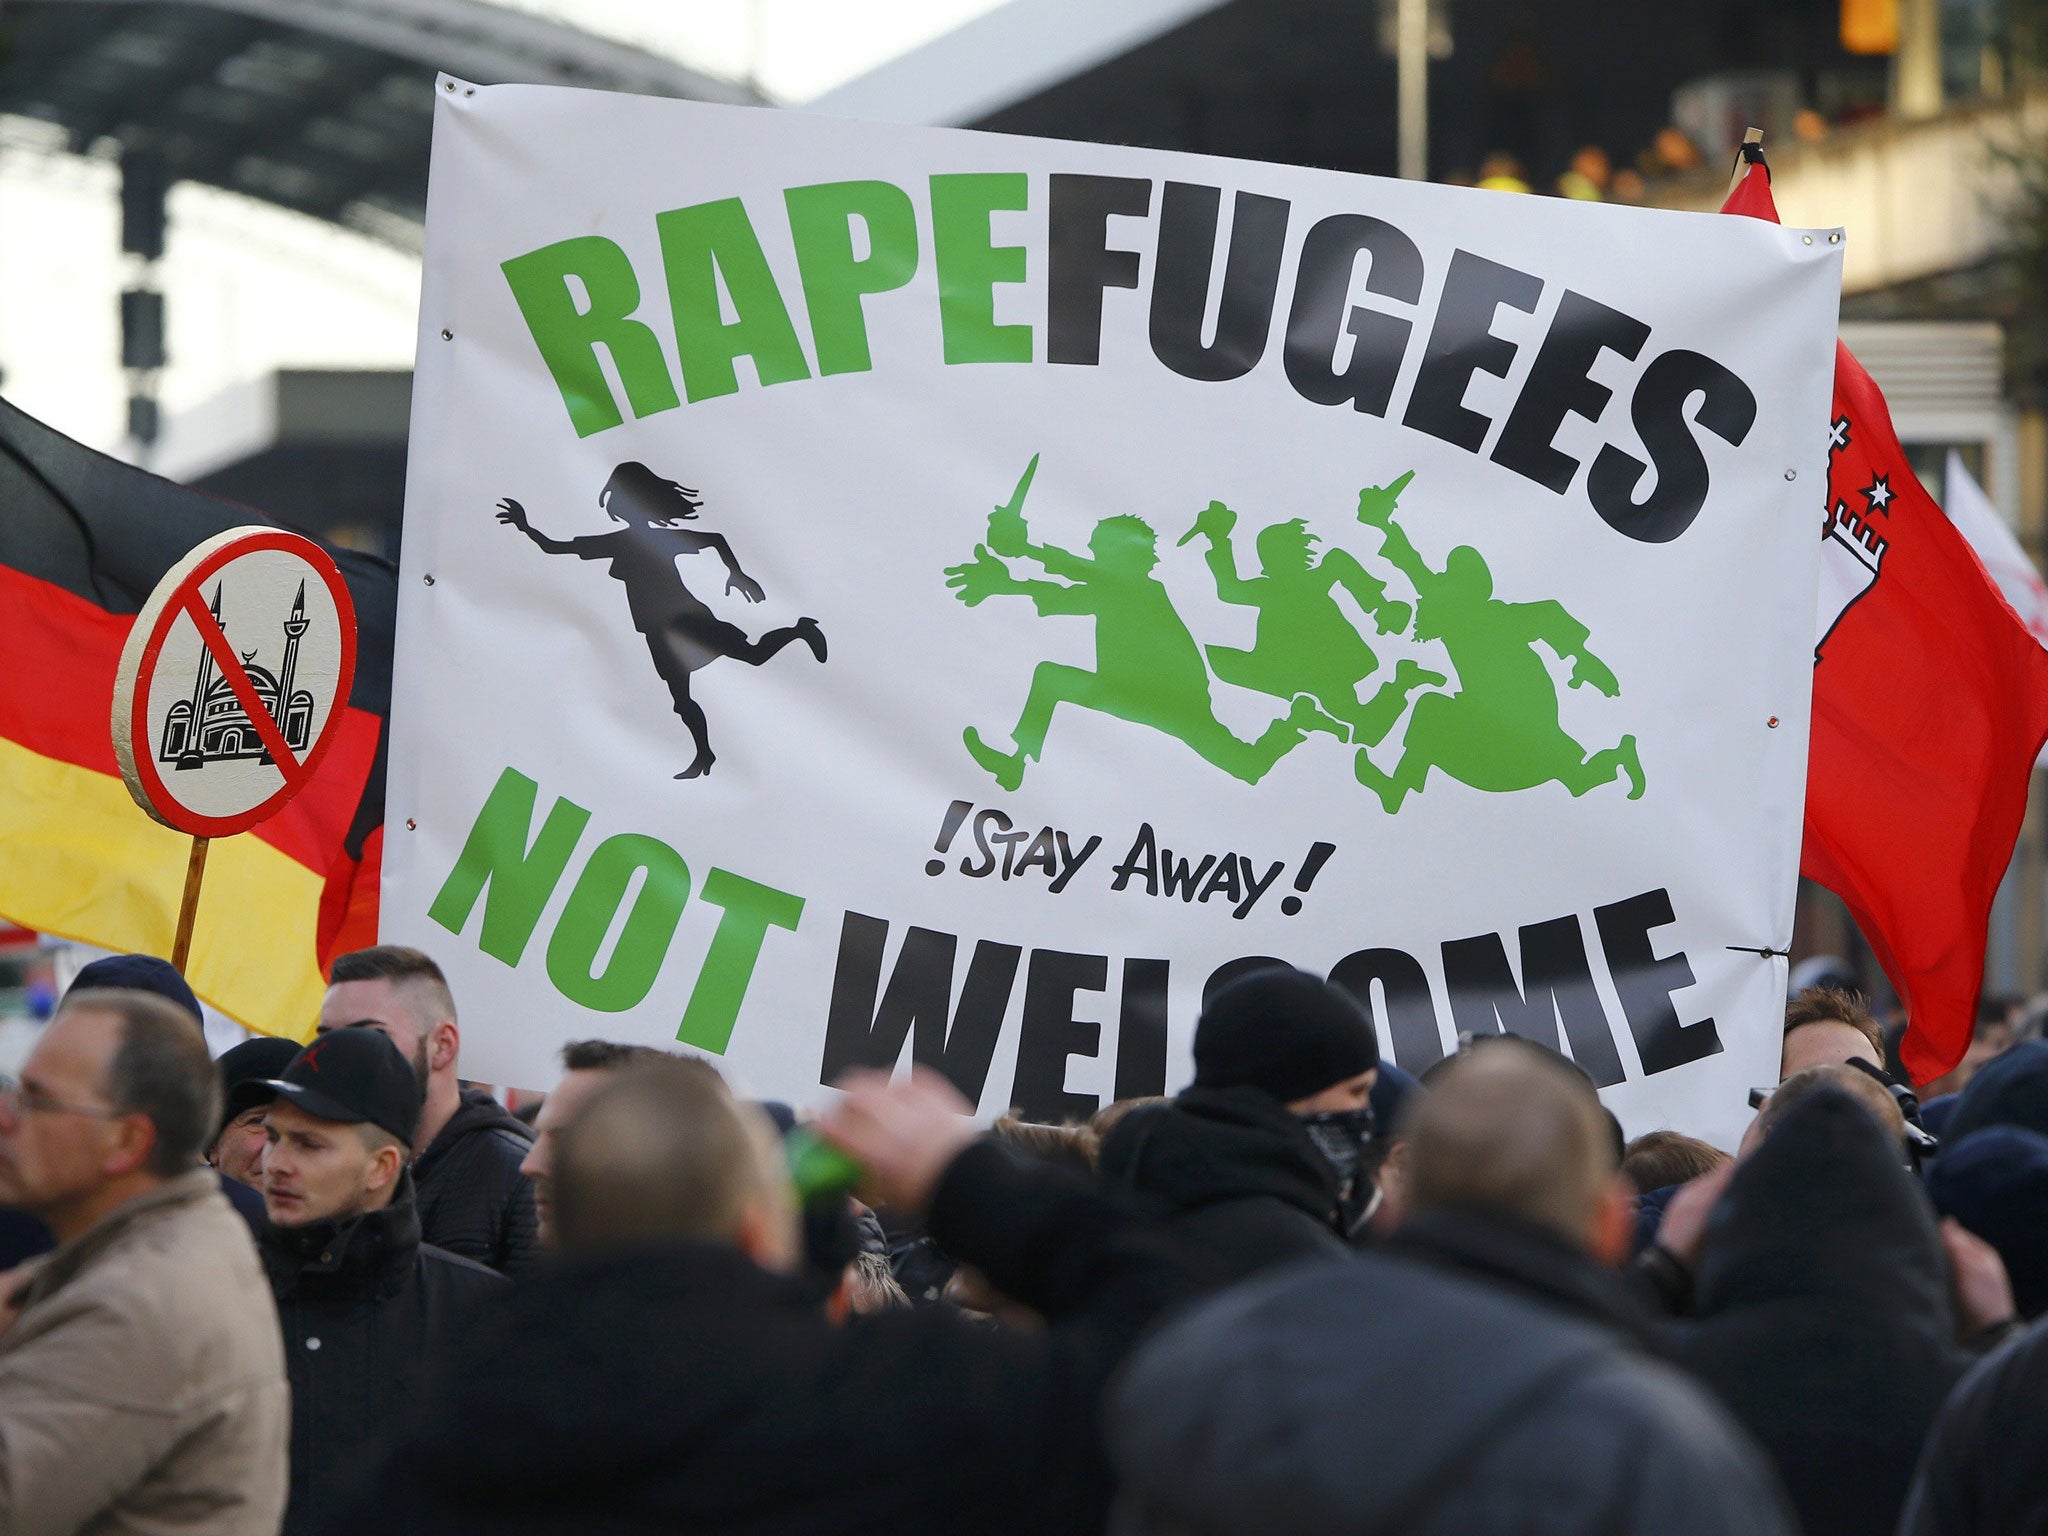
[246, 1070]
[354, 1077]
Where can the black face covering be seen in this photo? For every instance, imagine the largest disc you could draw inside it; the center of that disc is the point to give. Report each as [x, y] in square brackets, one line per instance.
[1341, 1137]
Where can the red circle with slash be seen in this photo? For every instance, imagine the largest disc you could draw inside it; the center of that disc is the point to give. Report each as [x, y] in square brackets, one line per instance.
[257, 735]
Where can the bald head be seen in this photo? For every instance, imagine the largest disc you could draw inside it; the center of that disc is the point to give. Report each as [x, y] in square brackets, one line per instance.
[1860, 1086]
[1513, 1131]
[665, 1153]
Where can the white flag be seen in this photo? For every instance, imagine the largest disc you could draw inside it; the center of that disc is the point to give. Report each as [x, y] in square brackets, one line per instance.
[1973, 512]
[1977, 517]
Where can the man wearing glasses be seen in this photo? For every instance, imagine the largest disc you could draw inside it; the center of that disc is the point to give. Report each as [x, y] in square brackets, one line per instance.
[141, 1369]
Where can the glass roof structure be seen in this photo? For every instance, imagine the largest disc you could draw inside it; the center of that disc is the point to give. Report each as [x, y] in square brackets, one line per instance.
[321, 106]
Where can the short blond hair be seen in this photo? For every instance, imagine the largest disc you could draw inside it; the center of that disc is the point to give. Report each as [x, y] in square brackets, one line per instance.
[664, 1153]
[1659, 1159]
[1511, 1130]
[1073, 1147]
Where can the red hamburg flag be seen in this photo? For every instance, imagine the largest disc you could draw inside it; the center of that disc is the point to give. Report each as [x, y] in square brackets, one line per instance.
[1930, 705]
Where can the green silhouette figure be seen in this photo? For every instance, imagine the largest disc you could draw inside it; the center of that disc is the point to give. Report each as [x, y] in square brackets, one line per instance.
[1304, 644]
[1500, 731]
[1148, 668]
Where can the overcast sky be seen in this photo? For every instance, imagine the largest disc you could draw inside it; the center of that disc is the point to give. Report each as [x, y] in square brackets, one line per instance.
[792, 49]
[252, 288]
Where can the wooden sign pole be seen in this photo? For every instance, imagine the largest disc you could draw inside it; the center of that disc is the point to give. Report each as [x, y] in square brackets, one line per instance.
[188, 907]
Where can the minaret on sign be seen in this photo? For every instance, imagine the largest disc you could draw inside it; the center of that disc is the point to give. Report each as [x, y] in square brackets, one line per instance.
[192, 757]
[294, 627]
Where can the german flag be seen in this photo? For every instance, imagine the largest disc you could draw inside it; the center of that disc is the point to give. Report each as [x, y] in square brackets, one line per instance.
[83, 540]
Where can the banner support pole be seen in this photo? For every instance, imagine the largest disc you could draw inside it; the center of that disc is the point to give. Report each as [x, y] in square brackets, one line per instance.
[188, 905]
[1411, 55]
[1751, 136]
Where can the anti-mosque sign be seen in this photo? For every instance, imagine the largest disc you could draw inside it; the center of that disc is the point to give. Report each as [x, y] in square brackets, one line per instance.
[878, 594]
[224, 701]
[209, 739]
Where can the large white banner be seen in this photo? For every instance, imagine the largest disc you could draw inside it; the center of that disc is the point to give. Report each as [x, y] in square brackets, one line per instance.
[878, 594]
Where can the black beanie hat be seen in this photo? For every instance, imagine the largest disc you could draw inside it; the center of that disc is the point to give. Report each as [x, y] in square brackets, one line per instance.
[1285, 1031]
[140, 973]
[246, 1070]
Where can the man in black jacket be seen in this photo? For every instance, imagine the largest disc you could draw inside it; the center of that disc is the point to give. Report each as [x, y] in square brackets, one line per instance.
[472, 1198]
[1480, 1375]
[1261, 1160]
[671, 1373]
[364, 1304]
[1985, 1470]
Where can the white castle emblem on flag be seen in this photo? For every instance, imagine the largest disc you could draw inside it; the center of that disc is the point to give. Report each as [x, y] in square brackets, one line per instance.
[1852, 547]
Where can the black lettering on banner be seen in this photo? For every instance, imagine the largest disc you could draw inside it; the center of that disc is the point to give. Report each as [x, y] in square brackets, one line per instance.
[1141, 1031]
[1079, 264]
[1462, 343]
[1050, 1034]
[1644, 982]
[1727, 409]
[1317, 320]
[1188, 216]
[1143, 859]
[1041, 855]
[1182, 877]
[1557, 986]
[1410, 1016]
[1560, 384]
[1004, 832]
[862, 1032]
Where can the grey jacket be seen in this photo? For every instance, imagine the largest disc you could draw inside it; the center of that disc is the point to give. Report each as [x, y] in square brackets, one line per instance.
[1392, 1397]
[142, 1388]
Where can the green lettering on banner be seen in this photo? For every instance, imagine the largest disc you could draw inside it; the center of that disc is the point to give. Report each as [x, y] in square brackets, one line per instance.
[835, 280]
[519, 876]
[969, 266]
[751, 909]
[568, 337]
[700, 245]
[649, 926]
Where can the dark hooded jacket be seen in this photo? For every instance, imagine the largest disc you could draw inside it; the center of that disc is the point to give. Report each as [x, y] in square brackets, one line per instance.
[1234, 1177]
[1474, 1378]
[474, 1201]
[1985, 1471]
[367, 1310]
[686, 1389]
[1822, 1314]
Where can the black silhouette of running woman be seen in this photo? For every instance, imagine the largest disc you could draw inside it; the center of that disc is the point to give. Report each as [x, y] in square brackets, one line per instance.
[681, 633]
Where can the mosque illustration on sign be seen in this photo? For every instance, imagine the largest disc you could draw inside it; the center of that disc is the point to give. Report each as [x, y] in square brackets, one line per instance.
[224, 732]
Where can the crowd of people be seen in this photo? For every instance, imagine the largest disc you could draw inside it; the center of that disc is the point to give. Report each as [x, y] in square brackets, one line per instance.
[338, 1289]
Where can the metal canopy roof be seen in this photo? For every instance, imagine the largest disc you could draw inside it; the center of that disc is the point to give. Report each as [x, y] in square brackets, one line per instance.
[323, 106]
